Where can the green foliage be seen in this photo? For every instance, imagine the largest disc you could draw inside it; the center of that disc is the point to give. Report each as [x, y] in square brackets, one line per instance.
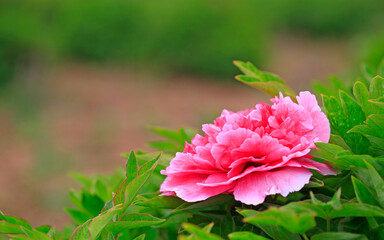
[349, 205]
[264, 81]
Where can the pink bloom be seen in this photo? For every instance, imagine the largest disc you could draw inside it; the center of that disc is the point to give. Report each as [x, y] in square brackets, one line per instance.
[252, 153]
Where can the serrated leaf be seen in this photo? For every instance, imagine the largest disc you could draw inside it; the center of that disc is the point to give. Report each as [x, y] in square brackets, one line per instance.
[245, 235]
[338, 236]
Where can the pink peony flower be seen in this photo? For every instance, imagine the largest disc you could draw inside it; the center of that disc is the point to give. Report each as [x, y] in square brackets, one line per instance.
[252, 153]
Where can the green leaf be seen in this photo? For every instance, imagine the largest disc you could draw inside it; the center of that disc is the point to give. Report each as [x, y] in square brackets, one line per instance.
[335, 201]
[44, 228]
[133, 188]
[75, 197]
[149, 165]
[278, 233]
[91, 203]
[374, 181]
[100, 189]
[84, 180]
[267, 82]
[272, 88]
[98, 223]
[82, 232]
[164, 159]
[368, 72]
[175, 219]
[210, 202]
[362, 95]
[132, 167]
[363, 194]
[120, 193]
[338, 236]
[141, 237]
[376, 88]
[164, 146]
[357, 210]
[169, 202]
[18, 221]
[339, 141]
[287, 218]
[133, 220]
[199, 232]
[92, 228]
[373, 130]
[177, 136]
[9, 228]
[352, 109]
[245, 235]
[78, 216]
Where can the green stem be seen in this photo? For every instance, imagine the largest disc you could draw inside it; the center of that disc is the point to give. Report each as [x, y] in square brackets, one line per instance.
[305, 236]
[328, 225]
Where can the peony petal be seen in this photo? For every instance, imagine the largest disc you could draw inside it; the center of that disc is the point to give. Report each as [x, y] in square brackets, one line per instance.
[253, 188]
[187, 188]
[322, 168]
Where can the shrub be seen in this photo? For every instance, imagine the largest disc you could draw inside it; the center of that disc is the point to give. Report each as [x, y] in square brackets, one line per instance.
[346, 206]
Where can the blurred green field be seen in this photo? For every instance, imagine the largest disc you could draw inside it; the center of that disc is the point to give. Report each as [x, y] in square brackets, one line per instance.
[199, 37]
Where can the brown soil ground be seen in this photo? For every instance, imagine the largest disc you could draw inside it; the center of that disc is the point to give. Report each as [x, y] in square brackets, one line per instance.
[89, 115]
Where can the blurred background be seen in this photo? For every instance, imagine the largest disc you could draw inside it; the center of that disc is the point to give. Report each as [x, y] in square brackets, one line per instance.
[81, 80]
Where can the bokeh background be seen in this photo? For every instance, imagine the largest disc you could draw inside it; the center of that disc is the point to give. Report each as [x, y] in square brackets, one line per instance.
[81, 80]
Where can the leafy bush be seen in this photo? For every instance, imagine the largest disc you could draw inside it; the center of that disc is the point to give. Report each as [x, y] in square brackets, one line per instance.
[347, 206]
